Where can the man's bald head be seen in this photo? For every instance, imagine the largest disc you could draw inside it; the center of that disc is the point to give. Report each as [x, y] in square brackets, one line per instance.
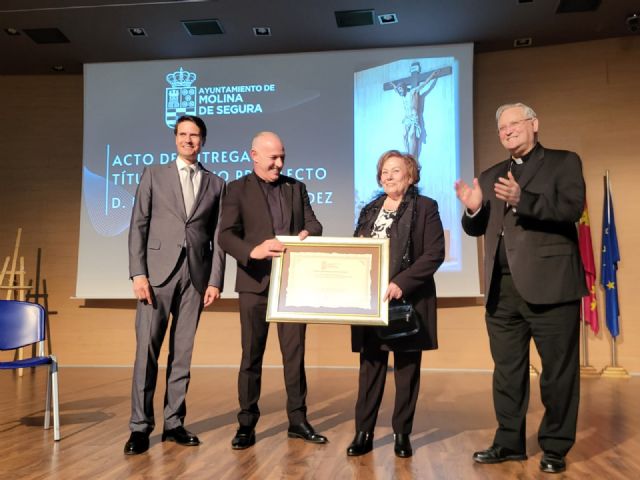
[267, 153]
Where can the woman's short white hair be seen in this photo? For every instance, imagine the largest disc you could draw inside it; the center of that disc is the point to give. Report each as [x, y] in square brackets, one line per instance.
[528, 111]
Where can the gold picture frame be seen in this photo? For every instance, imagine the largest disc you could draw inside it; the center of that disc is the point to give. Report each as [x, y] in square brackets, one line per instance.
[336, 280]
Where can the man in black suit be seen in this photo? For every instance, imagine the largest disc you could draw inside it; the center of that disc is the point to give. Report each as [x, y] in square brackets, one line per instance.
[527, 207]
[258, 207]
[177, 269]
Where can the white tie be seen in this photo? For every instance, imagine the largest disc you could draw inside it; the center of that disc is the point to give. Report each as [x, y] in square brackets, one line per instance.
[187, 189]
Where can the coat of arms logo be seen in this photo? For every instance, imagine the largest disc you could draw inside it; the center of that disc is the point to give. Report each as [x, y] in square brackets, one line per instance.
[180, 97]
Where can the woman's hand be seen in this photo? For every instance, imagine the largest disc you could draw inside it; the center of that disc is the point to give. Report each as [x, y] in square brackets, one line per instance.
[393, 292]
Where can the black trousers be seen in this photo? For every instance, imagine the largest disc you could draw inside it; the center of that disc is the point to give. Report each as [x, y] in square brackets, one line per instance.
[371, 381]
[512, 323]
[254, 331]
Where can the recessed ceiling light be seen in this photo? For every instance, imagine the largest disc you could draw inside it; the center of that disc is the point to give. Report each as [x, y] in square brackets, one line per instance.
[388, 18]
[523, 42]
[262, 31]
[12, 31]
[137, 32]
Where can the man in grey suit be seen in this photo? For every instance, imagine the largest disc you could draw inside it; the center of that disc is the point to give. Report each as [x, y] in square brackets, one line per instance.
[177, 269]
[527, 207]
[258, 207]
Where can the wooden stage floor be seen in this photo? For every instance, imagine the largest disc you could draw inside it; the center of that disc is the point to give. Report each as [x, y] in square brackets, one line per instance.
[454, 418]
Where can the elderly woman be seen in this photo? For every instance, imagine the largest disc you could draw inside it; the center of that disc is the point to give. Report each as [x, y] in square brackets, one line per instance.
[412, 223]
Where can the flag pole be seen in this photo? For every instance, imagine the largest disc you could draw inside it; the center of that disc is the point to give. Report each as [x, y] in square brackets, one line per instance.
[607, 186]
[586, 370]
[613, 370]
[583, 332]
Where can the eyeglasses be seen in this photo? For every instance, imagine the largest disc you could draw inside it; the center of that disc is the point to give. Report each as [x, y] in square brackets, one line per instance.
[513, 124]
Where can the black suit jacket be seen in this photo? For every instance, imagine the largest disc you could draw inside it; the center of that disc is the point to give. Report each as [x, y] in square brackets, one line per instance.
[416, 281]
[246, 222]
[540, 235]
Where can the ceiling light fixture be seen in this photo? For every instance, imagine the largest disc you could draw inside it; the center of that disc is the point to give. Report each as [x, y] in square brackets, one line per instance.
[262, 31]
[387, 18]
[523, 42]
[137, 32]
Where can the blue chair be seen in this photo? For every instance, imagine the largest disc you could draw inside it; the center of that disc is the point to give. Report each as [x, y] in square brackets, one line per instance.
[22, 324]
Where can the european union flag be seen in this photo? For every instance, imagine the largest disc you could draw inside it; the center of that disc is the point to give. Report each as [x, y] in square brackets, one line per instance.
[610, 259]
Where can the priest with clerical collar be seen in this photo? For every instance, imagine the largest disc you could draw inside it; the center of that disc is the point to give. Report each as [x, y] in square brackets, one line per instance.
[527, 207]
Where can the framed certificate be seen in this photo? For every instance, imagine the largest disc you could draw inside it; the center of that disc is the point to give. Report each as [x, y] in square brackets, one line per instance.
[338, 280]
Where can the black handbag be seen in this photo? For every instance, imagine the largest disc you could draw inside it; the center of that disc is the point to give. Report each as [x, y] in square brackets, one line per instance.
[403, 321]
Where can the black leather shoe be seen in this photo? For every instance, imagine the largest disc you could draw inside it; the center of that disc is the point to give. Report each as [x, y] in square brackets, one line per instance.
[181, 436]
[306, 432]
[245, 437]
[402, 445]
[552, 463]
[362, 443]
[138, 443]
[498, 454]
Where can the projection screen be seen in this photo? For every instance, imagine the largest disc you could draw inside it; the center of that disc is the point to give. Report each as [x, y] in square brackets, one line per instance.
[336, 112]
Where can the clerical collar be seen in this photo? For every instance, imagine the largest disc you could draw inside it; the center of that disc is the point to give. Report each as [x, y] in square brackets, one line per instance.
[525, 157]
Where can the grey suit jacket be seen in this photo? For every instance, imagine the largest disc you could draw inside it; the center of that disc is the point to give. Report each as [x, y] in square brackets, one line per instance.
[246, 222]
[160, 227]
[540, 237]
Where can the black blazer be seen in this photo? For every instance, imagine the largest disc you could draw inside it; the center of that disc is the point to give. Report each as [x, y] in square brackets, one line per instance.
[540, 235]
[246, 222]
[416, 281]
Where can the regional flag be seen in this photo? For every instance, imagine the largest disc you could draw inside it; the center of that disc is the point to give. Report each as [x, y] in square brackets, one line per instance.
[610, 259]
[589, 304]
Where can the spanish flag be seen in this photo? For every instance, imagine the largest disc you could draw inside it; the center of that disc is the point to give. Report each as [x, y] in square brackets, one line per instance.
[589, 304]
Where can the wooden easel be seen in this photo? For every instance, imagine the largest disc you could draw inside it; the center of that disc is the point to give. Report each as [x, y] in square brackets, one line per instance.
[36, 296]
[15, 286]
